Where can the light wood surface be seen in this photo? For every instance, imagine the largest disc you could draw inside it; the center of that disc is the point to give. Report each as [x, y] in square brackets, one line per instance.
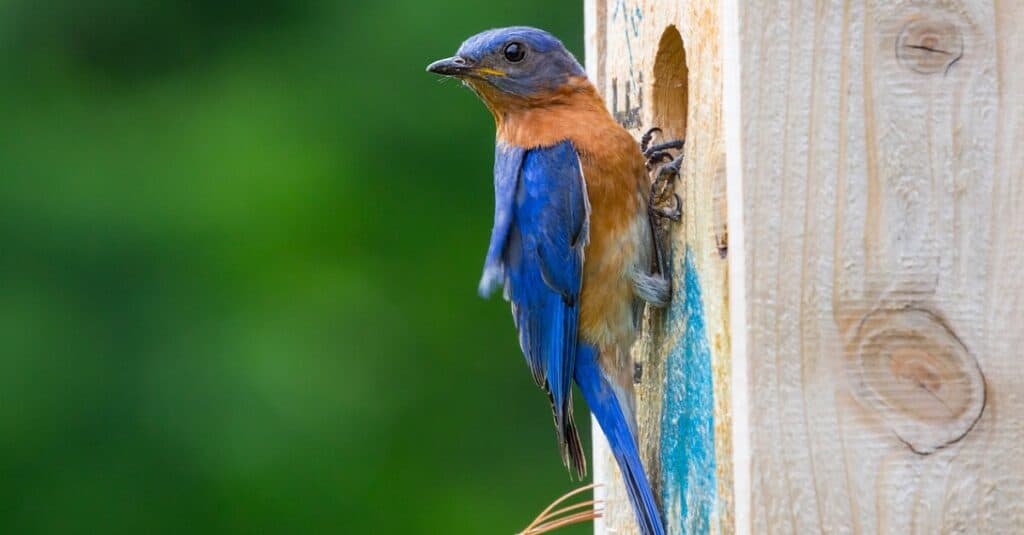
[863, 322]
[878, 182]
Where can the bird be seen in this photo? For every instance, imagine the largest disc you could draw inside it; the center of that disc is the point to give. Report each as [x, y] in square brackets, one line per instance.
[572, 244]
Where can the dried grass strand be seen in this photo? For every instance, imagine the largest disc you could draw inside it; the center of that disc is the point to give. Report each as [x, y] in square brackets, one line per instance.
[583, 516]
[546, 520]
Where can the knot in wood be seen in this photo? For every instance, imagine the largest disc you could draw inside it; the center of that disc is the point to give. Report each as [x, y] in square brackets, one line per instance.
[910, 368]
[929, 45]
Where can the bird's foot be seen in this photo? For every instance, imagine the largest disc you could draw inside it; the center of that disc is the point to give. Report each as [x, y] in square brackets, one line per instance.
[665, 176]
[663, 203]
[645, 140]
[659, 153]
[675, 213]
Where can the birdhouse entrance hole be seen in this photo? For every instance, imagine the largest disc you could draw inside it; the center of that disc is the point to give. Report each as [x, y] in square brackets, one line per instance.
[670, 85]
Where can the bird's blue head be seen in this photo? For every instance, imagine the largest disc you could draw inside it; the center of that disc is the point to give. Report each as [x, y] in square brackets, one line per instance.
[519, 61]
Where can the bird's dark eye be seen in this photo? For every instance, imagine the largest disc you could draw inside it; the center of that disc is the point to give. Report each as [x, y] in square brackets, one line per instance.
[515, 52]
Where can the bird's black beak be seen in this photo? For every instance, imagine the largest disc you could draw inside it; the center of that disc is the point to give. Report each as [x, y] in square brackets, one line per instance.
[453, 66]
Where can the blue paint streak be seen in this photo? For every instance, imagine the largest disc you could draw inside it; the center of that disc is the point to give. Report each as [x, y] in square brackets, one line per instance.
[689, 489]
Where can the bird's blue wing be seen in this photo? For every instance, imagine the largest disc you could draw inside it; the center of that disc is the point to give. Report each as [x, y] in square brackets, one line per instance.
[543, 258]
[508, 160]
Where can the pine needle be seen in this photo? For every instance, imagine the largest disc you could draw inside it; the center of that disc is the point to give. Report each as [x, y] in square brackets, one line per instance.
[549, 520]
[577, 518]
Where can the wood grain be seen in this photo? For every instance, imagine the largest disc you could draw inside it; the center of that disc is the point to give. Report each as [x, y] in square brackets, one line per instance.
[658, 63]
[875, 181]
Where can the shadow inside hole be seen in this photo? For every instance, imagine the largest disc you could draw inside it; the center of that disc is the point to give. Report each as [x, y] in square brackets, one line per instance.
[670, 88]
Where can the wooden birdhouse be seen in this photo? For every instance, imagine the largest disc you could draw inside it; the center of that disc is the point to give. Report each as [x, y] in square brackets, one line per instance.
[843, 349]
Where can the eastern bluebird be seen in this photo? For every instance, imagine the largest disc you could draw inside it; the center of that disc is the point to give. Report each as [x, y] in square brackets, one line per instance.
[572, 243]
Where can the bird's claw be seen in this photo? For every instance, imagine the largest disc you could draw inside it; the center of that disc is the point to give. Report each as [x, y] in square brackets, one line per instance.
[664, 182]
[645, 140]
[675, 144]
[660, 156]
[675, 213]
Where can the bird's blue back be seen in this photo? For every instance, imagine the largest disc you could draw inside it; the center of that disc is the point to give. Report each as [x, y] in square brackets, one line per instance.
[537, 246]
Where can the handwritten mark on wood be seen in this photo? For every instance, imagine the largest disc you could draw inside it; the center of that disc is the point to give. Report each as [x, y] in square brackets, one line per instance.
[629, 116]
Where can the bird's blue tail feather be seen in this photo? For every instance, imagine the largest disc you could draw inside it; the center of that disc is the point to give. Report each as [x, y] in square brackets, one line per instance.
[606, 408]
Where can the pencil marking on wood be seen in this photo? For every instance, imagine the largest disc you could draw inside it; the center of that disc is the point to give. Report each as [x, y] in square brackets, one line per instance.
[631, 19]
[629, 115]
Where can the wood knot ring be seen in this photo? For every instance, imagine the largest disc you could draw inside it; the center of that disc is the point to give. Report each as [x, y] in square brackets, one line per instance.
[929, 45]
[910, 368]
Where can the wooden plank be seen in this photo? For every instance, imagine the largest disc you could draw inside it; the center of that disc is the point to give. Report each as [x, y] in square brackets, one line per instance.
[642, 55]
[875, 181]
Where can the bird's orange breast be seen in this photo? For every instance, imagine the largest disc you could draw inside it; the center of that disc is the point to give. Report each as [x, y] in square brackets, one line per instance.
[618, 219]
[613, 168]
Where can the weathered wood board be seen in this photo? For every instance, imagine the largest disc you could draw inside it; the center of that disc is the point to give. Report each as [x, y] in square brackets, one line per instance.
[848, 363]
[876, 175]
[637, 58]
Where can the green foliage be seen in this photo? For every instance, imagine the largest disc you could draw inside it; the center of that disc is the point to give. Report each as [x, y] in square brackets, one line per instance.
[239, 248]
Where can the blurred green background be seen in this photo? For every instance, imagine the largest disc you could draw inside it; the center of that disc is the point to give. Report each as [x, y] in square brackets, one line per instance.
[239, 248]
